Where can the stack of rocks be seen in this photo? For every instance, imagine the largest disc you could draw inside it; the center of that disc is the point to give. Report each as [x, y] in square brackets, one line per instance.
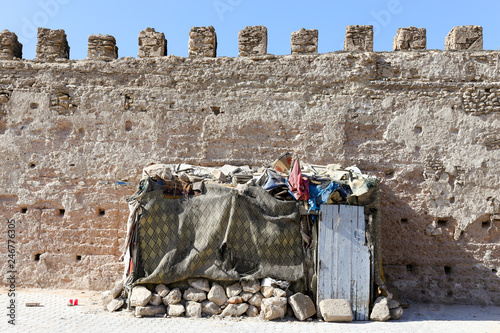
[252, 41]
[386, 308]
[102, 47]
[202, 42]
[10, 48]
[202, 298]
[304, 41]
[152, 43]
[358, 38]
[52, 44]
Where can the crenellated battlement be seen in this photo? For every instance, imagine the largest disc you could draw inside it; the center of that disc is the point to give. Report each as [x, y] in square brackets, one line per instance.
[52, 44]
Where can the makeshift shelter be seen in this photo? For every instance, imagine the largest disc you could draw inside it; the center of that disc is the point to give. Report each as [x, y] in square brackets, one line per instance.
[238, 223]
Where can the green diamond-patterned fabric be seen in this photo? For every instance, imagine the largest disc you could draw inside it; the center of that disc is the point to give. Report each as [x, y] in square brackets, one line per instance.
[224, 235]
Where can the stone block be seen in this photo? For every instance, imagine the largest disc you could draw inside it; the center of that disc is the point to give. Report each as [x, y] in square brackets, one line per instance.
[10, 48]
[252, 286]
[210, 308]
[173, 297]
[279, 292]
[256, 300]
[252, 311]
[175, 310]
[233, 290]
[235, 300]
[393, 304]
[106, 297]
[102, 47]
[149, 311]
[52, 44]
[358, 38]
[410, 39]
[234, 310]
[267, 291]
[152, 44]
[162, 290]
[217, 294]
[193, 294]
[468, 37]
[115, 304]
[380, 311]
[117, 288]
[337, 310]
[302, 306]
[274, 308]
[200, 284]
[202, 42]
[193, 309]
[396, 313]
[245, 296]
[252, 41]
[140, 296]
[304, 41]
[155, 299]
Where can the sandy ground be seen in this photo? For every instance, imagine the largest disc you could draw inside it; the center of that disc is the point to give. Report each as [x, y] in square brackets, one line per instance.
[54, 315]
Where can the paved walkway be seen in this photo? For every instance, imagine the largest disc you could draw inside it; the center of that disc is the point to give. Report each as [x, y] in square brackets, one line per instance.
[55, 316]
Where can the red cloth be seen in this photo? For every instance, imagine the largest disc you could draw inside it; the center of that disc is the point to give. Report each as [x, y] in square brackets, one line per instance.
[298, 184]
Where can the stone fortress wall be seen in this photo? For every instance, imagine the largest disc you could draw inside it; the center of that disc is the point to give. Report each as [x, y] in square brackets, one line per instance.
[75, 135]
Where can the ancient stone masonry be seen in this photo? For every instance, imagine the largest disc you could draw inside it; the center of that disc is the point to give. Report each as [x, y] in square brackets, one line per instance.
[253, 41]
[479, 100]
[410, 39]
[152, 43]
[469, 37]
[304, 41]
[52, 44]
[10, 48]
[202, 42]
[358, 38]
[102, 47]
[75, 135]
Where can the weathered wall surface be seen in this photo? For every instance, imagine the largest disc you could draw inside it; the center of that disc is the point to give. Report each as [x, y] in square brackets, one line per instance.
[426, 122]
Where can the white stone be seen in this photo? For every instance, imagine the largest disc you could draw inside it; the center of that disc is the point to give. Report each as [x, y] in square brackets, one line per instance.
[274, 308]
[256, 300]
[277, 292]
[234, 310]
[233, 290]
[245, 296]
[115, 304]
[217, 294]
[162, 290]
[155, 299]
[193, 309]
[193, 294]
[210, 308]
[267, 291]
[200, 284]
[302, 306]
[252, 311]
[336, 310]
[149, 310]
[175, 310]
[380, 310]
[140, 296]
[173, 297]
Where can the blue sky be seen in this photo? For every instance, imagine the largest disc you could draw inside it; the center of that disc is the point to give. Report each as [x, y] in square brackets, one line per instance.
[124, 19]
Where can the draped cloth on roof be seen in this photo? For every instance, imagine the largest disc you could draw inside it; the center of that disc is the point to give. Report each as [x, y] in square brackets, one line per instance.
[225, 234]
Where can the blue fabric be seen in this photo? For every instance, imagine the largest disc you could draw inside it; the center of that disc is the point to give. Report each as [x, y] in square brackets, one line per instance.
[319, 194]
